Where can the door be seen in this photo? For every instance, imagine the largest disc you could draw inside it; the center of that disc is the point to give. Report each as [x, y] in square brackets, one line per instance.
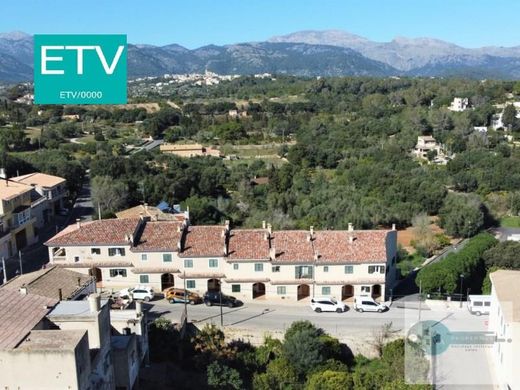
[303, 291]
[258, 290]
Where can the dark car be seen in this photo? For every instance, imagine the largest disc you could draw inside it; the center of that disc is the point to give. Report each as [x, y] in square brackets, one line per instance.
[217, 298]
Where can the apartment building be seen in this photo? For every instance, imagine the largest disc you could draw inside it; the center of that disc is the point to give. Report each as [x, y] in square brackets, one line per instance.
[504, 322]
[248, 263]
[68, 344]
[17, 228]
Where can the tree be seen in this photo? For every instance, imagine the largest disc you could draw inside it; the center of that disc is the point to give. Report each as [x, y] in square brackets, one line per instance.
[424, 237]
[509, 116]
[330, 380]
[461, 216]
[280, 374]
[223, 377]
[503, 255]
[381, 336]
[303, 349]
[109, 194]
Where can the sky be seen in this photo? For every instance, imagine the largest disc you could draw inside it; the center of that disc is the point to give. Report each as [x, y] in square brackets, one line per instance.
[192, 23]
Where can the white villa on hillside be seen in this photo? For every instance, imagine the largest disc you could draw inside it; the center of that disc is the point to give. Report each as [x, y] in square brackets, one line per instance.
[459, 104]
[248, 263]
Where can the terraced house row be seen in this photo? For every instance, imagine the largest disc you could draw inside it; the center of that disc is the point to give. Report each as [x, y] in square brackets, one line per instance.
[247, 263]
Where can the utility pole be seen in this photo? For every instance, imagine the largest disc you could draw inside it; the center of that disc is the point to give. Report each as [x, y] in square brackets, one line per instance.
[5, 271]
[420, 299]
[220, 299]
[20, 258]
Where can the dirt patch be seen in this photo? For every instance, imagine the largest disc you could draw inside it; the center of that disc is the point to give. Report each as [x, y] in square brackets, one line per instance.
[406, 236]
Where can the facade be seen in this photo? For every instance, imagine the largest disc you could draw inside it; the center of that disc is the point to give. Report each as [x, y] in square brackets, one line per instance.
[504, 322]
[189, 150]
[247, 263]
[17, 228]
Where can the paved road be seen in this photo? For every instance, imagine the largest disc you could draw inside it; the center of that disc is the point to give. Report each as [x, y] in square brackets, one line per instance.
[83, 208]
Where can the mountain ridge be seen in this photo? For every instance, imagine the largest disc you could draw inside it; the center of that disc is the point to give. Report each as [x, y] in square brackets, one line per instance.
[302, 53]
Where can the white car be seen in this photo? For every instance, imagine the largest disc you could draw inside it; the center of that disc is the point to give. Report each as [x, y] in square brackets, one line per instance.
[319, 304]
[144, 293]
[362, 304]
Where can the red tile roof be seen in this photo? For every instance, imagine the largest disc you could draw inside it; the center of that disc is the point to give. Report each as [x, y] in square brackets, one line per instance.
[160, 236]
[203, 241]
[19, 314]
[335, 246]
[102, 232]
[292, 246]
[245, 244]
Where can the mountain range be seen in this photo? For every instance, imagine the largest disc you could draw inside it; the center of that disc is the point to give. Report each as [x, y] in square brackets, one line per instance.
[304, 53]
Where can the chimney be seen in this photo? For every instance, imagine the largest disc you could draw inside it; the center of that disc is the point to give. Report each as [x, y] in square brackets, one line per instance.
[60, 294]
[225, 249]
[350, 227]
[272, 253]
[146, 206]
[269, 229]
[226, 224]
[263, 225]
[138, 308]
[131, 239]
[393, 226]
[78, 222]
[312, 230]
[23, 290]
[351, 238]
[94, 303]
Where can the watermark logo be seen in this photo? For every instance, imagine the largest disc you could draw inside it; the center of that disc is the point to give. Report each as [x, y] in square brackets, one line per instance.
[80, 69]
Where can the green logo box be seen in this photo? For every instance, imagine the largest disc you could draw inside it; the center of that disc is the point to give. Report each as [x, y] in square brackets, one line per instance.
[80, 69]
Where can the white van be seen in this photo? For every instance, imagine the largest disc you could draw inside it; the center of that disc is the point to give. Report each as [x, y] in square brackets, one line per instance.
[479, 304]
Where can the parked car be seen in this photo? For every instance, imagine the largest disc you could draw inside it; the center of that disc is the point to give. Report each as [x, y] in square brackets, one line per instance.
[144, 293]
[319, 304]
[179, 295]
[217, 298]
[362, 304]
[479, 304]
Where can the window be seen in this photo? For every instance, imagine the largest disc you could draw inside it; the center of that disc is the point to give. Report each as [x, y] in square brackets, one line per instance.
[349, 269]
[116, 251]
[303, 272]
[259, 267]
[118, 272]
[144, 279]
[235, 266]
[376, 268]
[325, 291]
[76, 258]
[144, 257]
[213, 263]
[167, 257]
[275, 268]
[235, 288]
[188, 263]
[95, 251]
[326, 268]
[365, 289]
[281, 290]
[487, 304]
[190, 284]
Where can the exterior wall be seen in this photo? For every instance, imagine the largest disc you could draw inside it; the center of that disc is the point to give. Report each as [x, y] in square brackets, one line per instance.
[505, 356]
[49, 370]
[126, 364]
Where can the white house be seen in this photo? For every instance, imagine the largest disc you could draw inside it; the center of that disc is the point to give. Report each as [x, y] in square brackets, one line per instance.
[248, 263]
[504, 322]
[459, 104]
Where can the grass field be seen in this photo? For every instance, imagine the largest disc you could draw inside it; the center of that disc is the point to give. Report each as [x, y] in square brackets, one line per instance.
[510, 222]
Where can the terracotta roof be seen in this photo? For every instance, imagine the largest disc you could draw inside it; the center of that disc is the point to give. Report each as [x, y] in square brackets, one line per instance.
[203, 241]
[292, 246]
[47, 282]
[101, 232]
[507, 286]
[207, 275]
[153, 212]
[154, 270]
[10, 189]
[368, 246]
[247, 244]
[163, 236]
[260, 180]
[19, 314]
[39, 179]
